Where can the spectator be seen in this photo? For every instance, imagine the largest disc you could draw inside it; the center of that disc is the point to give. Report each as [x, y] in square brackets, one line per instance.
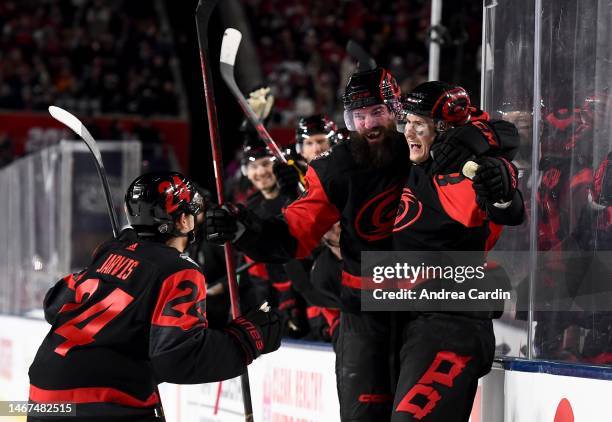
[89, 56]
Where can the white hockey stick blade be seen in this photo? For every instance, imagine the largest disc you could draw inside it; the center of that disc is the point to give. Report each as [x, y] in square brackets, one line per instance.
[229, 50]
[229, 46]
[77, 127]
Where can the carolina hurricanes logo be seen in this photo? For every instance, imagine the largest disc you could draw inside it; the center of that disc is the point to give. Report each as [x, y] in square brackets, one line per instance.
[175, 189]
[409, 211]
[375, 219]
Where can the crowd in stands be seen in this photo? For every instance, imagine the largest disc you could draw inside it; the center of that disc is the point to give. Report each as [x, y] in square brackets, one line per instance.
[90, 56]
[302, 48]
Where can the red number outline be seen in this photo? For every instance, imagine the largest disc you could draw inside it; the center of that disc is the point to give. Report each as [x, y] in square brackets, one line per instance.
[102, 312]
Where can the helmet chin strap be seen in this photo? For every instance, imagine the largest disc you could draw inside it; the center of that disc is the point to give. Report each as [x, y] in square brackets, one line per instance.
[190, 235]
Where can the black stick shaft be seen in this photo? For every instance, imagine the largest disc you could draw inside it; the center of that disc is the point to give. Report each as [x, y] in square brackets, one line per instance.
[203, 12]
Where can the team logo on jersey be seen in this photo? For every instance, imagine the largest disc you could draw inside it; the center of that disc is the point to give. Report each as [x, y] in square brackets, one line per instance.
[132, 247]
[375, 219]
[409, 211]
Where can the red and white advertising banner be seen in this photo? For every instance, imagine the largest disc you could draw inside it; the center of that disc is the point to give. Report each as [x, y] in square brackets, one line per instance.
[540, 397]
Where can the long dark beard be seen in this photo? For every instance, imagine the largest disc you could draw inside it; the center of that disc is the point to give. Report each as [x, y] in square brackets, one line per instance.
[381, 154]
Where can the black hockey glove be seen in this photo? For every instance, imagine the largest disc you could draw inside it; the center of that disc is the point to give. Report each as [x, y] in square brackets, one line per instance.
[294, 325]
[287, 178]
[259, 331]
[495, 180]
[222, 222]
[448, 156]
[496, 137]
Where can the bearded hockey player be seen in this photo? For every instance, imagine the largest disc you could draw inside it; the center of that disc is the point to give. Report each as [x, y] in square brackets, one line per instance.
[359, 183]
[447, 212]
[136, 316]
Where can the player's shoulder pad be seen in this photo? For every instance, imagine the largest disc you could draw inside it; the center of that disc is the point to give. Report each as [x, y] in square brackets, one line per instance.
[165, 259]
[337, 159]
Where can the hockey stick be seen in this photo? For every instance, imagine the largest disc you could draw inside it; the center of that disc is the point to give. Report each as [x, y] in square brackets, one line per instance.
[229, 50]
[203, 12]
[366, 62]
[70, 120]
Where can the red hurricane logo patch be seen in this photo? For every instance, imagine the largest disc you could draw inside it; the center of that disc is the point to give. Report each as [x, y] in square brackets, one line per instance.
[375, 219]
[409, 211]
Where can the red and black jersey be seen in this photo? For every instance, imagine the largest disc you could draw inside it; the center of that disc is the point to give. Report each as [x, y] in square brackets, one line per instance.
[562, 196]
[324, 312]
[440, 212]
[364, 199]
[134, 318]
[271, 273]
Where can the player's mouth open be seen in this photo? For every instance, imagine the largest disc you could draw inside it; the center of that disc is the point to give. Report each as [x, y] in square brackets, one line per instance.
[374, 135]
[414, 146]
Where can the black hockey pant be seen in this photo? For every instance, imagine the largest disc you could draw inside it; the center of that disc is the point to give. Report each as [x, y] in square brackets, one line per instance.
[439, 359]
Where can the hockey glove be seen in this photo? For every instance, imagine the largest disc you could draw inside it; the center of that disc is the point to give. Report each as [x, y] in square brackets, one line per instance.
[480, 137]
[222, 223]
[258, 332]
[448, 157]
[495, 180]
[287, 177]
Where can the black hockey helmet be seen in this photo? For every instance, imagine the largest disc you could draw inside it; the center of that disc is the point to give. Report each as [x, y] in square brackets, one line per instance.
[252, 152]
[315, 125]
[367, 88]
[155, 200]
[439, 101]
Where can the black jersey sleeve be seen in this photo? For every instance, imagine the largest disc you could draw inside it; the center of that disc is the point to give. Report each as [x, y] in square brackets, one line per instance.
[181, 347]
[61, 293]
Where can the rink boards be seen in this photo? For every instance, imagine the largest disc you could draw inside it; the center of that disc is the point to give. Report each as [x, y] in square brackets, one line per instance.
[297, 383]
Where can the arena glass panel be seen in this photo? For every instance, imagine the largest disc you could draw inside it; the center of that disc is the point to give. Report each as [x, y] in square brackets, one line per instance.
[507, 93]
[572, 289]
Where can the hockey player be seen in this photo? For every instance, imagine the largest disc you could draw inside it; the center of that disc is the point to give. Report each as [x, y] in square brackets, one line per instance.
[270, 281]
[321, 275]
[359, 183]
[315, 135]
[136, 316]
[447, 212]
